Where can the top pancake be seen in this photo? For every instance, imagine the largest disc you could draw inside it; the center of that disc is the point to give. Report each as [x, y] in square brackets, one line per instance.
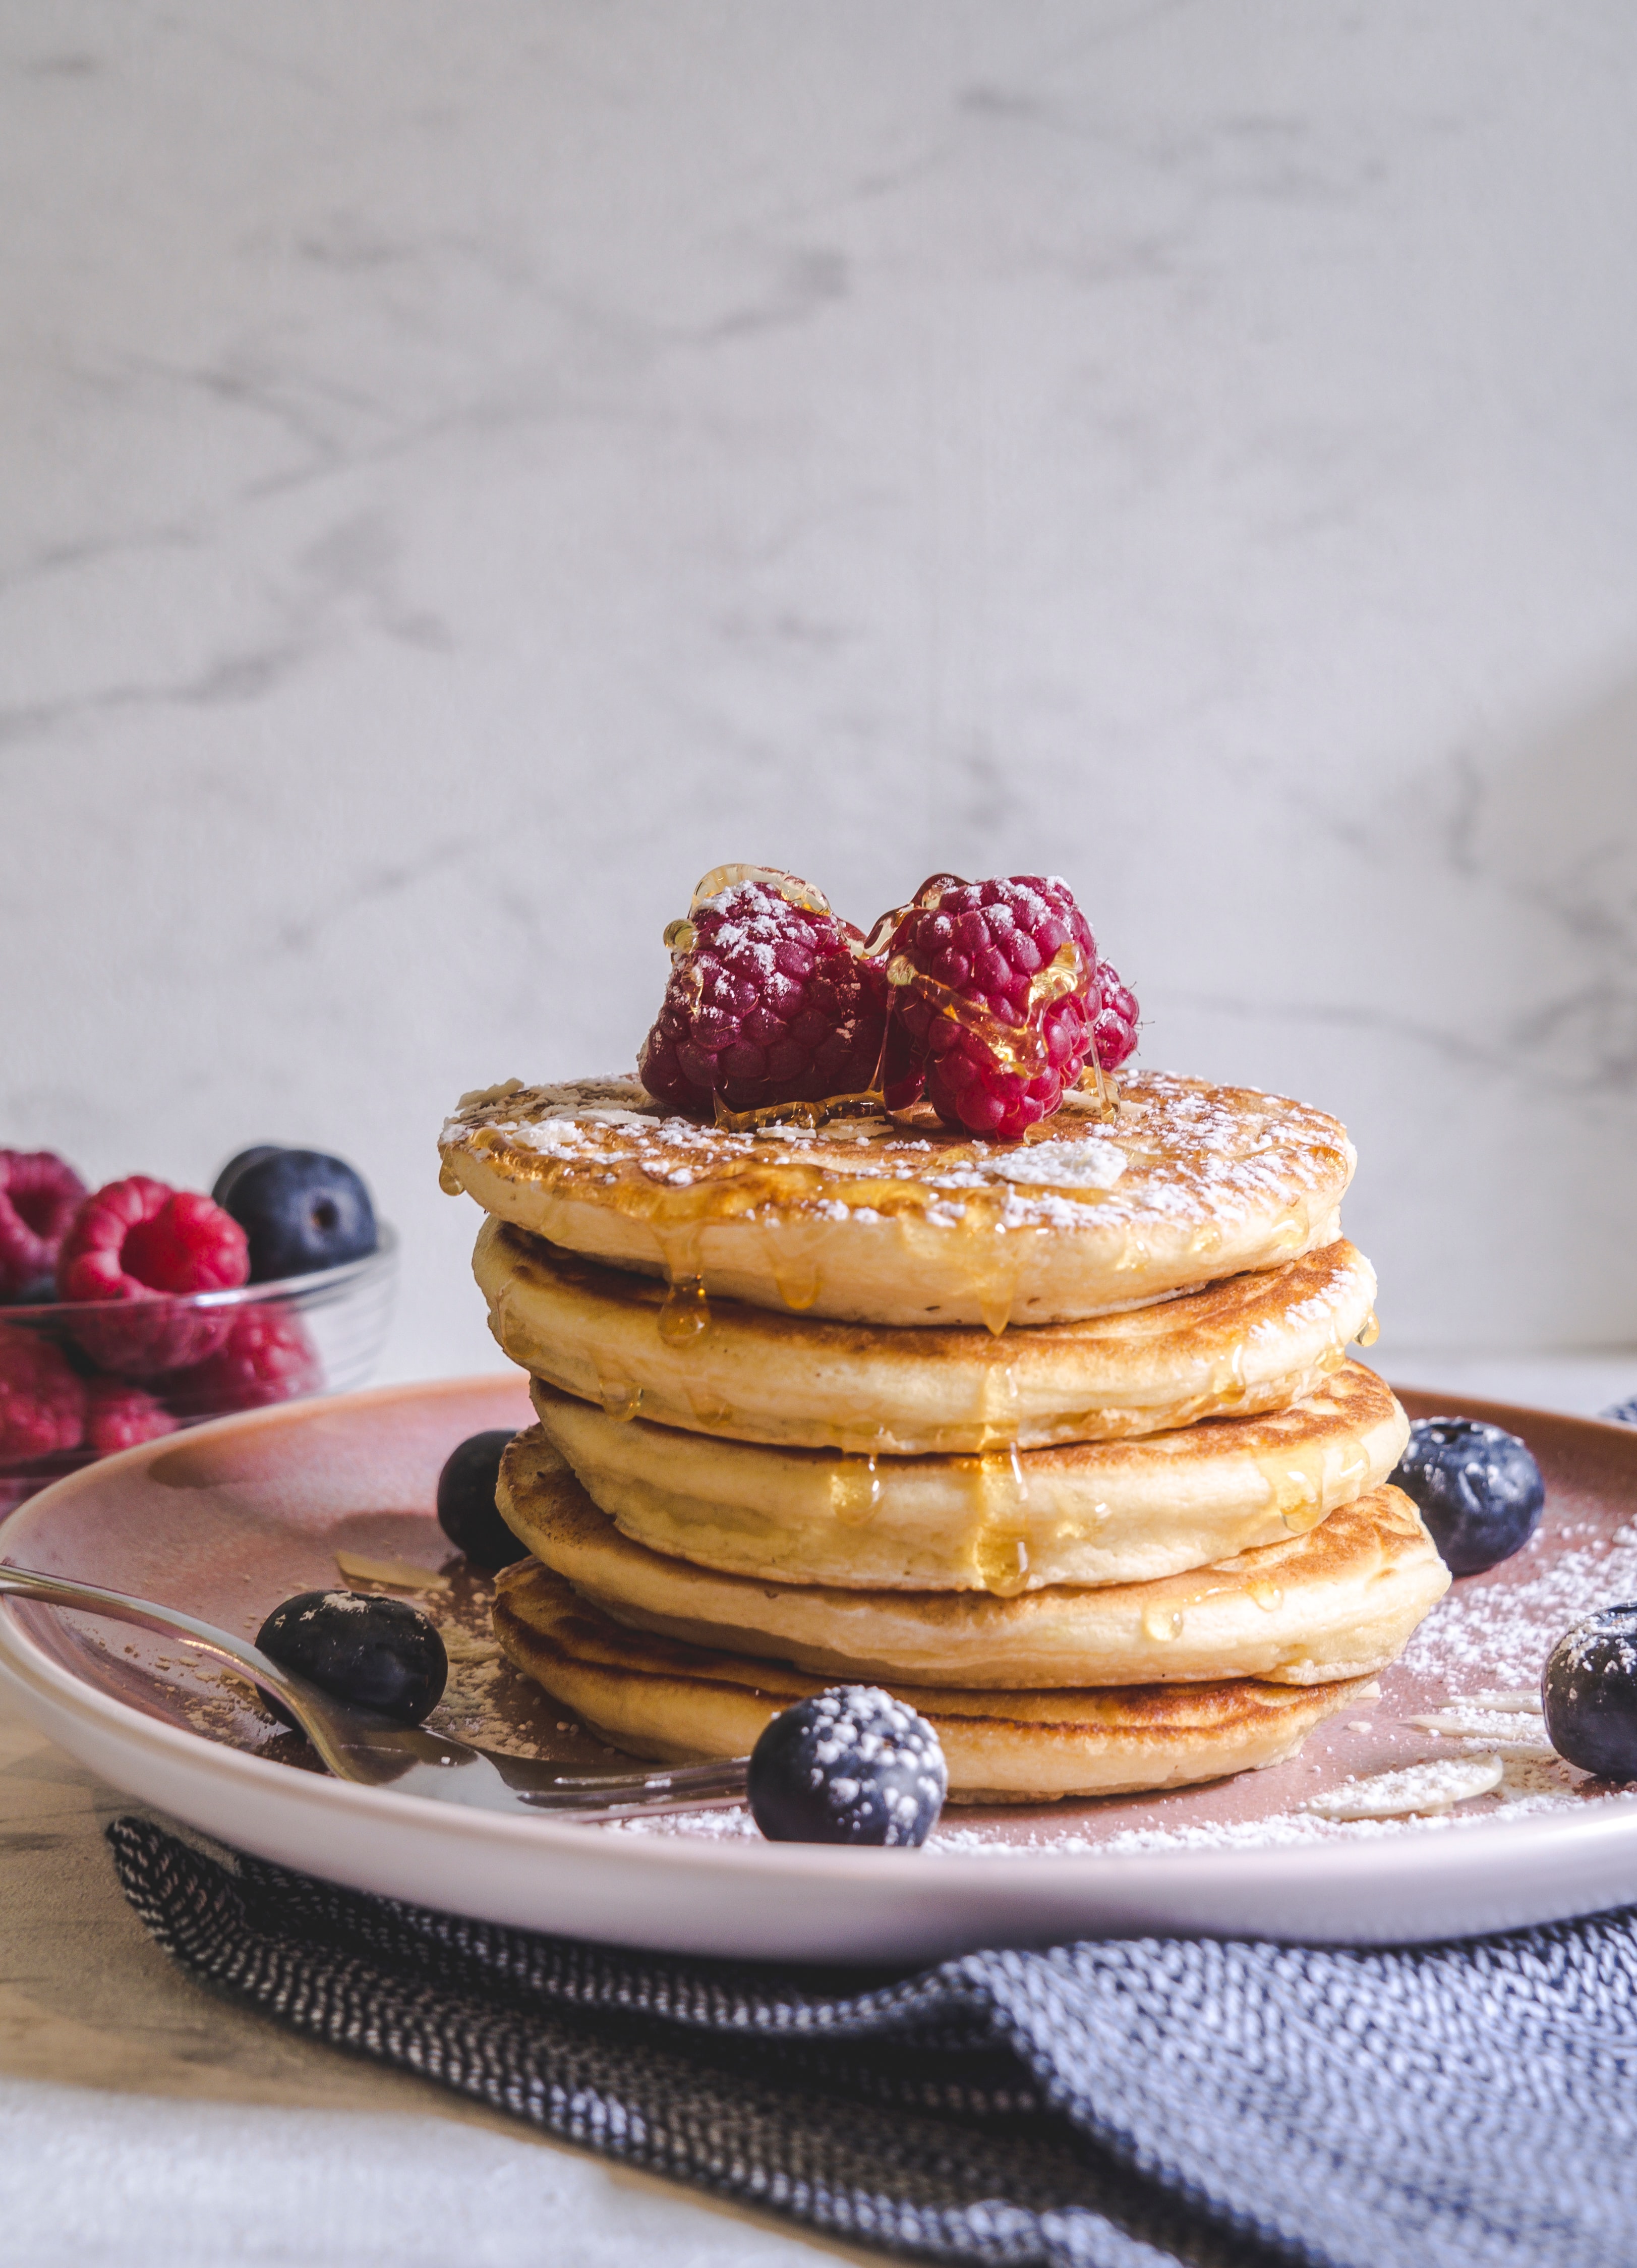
[898, 1221]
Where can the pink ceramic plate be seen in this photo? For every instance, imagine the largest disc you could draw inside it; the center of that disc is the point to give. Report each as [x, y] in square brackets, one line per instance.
[226, 1520]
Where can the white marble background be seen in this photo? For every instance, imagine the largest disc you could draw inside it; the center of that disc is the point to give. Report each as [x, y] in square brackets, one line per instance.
[468, 469]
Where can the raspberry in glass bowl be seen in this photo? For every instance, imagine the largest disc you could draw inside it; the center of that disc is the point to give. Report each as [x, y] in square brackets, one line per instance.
[132, 1311]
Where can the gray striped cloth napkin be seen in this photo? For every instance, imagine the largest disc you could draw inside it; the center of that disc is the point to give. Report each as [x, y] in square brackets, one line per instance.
[1105, 2105]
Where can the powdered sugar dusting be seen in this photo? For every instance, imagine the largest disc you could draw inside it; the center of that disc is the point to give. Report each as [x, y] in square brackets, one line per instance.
[1173, 1150]
[1502, 1633]
[1088, 1164]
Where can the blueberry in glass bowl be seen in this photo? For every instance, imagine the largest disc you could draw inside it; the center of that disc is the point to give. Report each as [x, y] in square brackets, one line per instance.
[129, 1311]
[1477, 1489]
[1589, 1693]
[300, 1210]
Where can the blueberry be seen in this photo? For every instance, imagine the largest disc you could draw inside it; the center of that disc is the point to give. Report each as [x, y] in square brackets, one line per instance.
[382, 1653]
[1479, 1489]
[851, 1765]
[221, 1189]
[301, 1210]
[467, 1510]
[1589, 1694]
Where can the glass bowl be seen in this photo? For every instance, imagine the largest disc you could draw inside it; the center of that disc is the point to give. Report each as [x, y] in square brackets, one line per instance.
[101, 1375]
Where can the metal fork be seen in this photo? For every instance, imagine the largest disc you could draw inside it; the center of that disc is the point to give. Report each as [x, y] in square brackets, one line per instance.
[377, 1751]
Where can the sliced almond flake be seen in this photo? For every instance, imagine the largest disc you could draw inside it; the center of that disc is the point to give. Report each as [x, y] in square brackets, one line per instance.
[1498, 1727]
[1526, 1701]
[396, 1575]
[1417, 1787]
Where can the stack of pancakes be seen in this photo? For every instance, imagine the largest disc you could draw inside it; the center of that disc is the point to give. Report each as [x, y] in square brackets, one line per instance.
[1056, 1438]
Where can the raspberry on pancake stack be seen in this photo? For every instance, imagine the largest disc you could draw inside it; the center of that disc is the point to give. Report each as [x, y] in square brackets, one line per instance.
[887, 1329]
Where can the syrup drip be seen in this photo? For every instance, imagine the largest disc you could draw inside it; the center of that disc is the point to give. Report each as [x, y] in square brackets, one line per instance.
[1000, 1549]
[1369, 1331]
[1019, 1048]
[790, 887]
[867, 1103]
[449, 1183]
[996, 1281]
[997, 1410]
[1228, 1384]
[619, 1398]
[1298, 1483]
[685, 1313]
[1162, 1622]
[1002, 1564]
[715, 1416]
[1268, 1596]
[855, 1491]
[1104, 1085]
[791, 1249]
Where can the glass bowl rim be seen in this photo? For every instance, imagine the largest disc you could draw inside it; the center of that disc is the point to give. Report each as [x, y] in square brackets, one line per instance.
[346, 1276]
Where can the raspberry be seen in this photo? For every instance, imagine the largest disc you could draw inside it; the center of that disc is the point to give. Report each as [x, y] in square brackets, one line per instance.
[996, 1060]
[267, 1357]
[118, 1416]
[42, 1400]
[1115, 1027]
[134, 1242]
[767, 1003]
[39, 1198]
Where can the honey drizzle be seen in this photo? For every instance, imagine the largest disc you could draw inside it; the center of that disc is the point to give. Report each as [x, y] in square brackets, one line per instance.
[450, 1181]
[1303, 1484]
[1369, 1331]
[856, 1490]
[999, 1487]
[1014, 1046]
[742, 1186]
[792, 1250]
[684, 1312]
[1162, 1622]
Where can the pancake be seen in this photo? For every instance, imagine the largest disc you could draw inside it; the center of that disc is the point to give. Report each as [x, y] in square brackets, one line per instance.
[1340, 1601]
[1257, 1341]
[900, 1222]
[1088, 1513]
[682, 1704]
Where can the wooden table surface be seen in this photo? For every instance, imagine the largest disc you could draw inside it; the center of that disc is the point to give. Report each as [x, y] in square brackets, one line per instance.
[96, 2021]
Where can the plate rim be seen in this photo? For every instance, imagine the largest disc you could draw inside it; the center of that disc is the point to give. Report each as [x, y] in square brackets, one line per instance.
[1467, 1848]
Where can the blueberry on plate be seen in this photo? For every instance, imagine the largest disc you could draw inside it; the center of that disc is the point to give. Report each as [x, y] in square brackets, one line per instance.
[1590, 1693]
[301, 1212]
[851, 1765]
[1478, 1490]
[240, 1162]
[382, 1653]
[467, 1510]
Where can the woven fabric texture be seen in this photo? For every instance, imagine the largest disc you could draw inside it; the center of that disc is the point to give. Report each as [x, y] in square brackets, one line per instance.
[1108, 2105]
